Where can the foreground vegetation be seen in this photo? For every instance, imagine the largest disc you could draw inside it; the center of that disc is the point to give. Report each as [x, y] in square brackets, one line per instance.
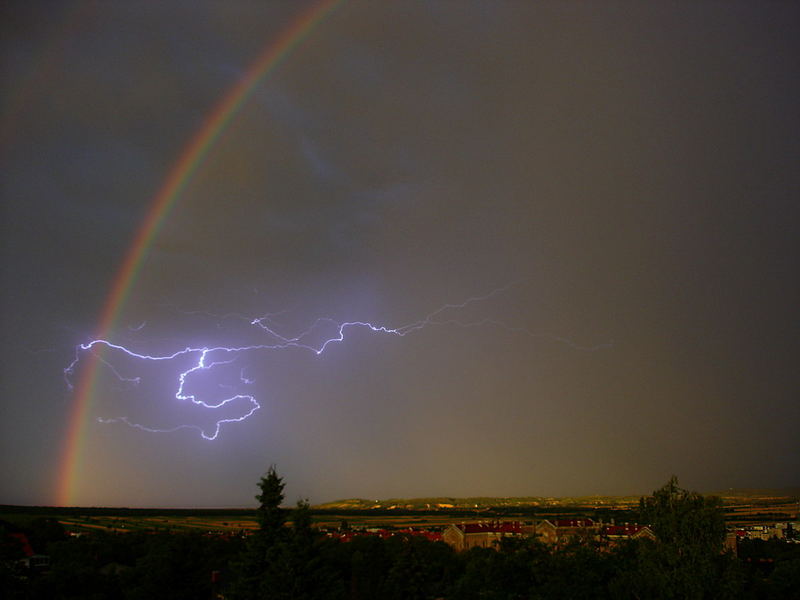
[297, 562]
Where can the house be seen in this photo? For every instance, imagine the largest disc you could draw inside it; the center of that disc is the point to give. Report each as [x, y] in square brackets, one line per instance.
[731, 542]
[31, 560]
[560, 532]
[611, 535]
[488, 534]
[463, 536]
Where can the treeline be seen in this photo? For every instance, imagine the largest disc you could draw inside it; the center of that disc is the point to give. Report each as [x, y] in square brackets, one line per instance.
[297, 562]
[500, 512]
[128, 566]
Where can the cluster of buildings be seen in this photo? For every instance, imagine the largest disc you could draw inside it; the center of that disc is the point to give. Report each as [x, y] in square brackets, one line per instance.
[559, 532]
[488, 534]
[556, 532]
[789, 532]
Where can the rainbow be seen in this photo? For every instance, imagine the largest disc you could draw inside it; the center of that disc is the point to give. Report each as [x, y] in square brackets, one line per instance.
[273, 54]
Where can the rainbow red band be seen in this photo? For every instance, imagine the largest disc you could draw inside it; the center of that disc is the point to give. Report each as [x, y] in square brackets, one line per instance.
[161, 206]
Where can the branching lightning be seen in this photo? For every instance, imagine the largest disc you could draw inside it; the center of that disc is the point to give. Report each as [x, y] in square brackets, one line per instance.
[206, 359]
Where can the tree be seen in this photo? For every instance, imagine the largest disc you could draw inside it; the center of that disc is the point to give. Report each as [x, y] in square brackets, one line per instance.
[261, 546]
[406, 578]
[687, 521]
[271, 517]
[296, 569]
[282, 562]
[686, 560]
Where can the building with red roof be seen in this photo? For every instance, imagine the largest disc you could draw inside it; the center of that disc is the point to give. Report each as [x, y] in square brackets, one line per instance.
[611, 535]
[485, 534]
[31, 560]
[27, 549]
[561, 532]
[558, 533]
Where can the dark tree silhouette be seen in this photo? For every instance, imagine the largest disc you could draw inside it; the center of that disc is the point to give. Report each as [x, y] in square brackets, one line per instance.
[259, 553]
[282, 562]
[270, 515]
[687, 521]
[686, 561]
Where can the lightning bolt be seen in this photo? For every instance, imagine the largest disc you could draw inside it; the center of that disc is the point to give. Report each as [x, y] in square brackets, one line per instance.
[206, 359]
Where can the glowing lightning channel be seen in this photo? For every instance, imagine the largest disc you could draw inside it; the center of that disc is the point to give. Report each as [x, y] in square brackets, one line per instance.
[208, 357]
[68, 371]
[179, 394]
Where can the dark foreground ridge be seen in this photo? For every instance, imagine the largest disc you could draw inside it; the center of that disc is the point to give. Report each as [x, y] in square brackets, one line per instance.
[672, 544]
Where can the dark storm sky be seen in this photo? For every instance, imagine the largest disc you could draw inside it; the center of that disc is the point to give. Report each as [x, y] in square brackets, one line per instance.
[634, 167]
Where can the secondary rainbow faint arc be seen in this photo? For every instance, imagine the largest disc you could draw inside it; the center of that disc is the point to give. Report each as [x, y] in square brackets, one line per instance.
[189, 160]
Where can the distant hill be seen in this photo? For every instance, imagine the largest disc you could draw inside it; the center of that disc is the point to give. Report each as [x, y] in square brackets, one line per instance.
[788, 493]
[480, 502]
[730, 496]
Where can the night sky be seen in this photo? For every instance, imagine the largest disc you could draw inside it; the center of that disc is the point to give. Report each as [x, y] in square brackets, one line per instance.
[605, 193]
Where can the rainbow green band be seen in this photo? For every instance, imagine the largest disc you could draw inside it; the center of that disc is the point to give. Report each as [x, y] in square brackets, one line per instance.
[161, 206]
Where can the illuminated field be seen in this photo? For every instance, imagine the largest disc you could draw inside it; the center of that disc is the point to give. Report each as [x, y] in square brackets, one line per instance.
[740, 508]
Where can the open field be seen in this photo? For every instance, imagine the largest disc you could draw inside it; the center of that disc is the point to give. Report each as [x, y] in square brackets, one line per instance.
[741, 508]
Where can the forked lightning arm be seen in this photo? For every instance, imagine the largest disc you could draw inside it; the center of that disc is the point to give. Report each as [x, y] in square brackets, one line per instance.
[210, 357]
